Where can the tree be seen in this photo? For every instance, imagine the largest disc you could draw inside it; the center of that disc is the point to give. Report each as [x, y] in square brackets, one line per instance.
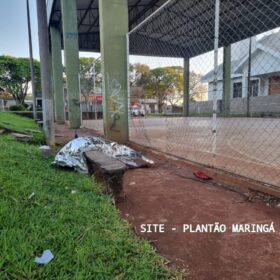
[197, 88]
[15, 76]
[86, 65]
[90, 72]
[175, 99]
[163, 82]
[138, 78]
[141, 74]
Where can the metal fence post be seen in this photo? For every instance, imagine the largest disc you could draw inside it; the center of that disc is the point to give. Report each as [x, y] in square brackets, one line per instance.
[249, 78]
[186, 96]
[226, 81]
[216, 49]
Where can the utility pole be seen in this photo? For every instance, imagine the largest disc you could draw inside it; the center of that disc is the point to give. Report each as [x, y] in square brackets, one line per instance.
[45, 62]
[33, 85]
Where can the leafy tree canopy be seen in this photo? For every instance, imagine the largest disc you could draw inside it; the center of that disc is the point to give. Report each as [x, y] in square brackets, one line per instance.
[86, 65]
[89, 66]
[163, 82]
[15, 76]
[140, 76]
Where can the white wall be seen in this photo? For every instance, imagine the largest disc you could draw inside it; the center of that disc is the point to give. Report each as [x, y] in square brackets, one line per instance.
[263, 87]
[219, 93]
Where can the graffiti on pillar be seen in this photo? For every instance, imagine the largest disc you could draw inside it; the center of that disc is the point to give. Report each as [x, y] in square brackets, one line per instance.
[116, 102]
[72, 35]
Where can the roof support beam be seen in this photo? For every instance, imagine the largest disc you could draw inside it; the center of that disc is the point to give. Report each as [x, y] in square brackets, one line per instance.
[148, 7]
[71, 57]
[114, 55]
[45, 65]
[86, 13]
[57, 70]
[227, 80]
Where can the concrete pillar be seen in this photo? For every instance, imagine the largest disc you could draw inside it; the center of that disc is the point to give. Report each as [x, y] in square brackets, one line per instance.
[113, 28]
[45, 66]
[57, 70]
[186, 97]
[71, 58]
[227, 80]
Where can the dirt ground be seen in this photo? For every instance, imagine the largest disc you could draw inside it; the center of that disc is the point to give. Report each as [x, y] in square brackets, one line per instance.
[169, 194]
[63, 134]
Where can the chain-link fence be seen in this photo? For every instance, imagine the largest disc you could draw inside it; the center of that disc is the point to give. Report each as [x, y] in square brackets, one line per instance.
[205, 84]
[91, 91]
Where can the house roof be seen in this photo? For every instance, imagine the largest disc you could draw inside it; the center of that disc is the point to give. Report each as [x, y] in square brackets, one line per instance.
[270, 42]
[210, 75]
[184, 28]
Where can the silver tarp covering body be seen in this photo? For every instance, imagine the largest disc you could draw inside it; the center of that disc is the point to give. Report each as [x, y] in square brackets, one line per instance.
[71, 155]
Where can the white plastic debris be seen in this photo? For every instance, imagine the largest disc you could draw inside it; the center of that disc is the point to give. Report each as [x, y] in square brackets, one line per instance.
[73, 192]
[46, 257]
[132, 184]
[44, 148]
[31, 196]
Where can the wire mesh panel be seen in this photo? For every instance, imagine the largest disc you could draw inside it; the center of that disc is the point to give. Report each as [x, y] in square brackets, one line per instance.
[147, 125]
[206, 75]
[250, 125]
[91, 92]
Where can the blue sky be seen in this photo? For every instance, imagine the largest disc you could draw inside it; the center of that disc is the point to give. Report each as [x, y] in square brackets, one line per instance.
[14, 32]
[13, 28]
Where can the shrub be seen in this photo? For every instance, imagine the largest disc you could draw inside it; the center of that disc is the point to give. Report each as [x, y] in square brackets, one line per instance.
[17, 107]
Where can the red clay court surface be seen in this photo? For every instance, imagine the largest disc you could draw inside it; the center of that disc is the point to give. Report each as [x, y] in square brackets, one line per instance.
[163, 195]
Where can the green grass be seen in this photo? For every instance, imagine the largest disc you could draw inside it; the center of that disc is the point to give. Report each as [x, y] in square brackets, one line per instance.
[83, 230]
[15, 123]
